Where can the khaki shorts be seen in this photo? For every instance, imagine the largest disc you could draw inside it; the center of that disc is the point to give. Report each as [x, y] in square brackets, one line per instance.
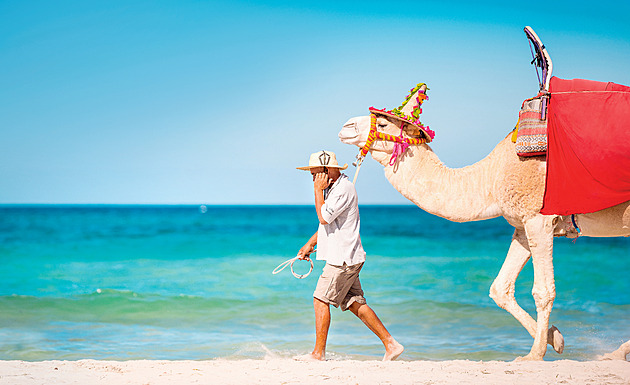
[340, 286]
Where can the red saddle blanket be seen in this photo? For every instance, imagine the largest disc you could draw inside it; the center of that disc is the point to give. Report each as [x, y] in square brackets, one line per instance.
[588, 157]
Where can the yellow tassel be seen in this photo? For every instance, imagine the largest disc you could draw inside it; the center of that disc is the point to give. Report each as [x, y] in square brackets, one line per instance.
[515, 131]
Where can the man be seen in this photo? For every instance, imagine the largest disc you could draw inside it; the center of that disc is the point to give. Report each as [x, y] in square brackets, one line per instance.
[339, 244]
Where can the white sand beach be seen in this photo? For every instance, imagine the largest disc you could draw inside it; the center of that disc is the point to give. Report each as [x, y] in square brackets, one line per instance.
[287, 371]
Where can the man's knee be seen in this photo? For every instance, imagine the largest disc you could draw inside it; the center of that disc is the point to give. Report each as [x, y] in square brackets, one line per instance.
[319, 303]
[355, 306]
[354, 299]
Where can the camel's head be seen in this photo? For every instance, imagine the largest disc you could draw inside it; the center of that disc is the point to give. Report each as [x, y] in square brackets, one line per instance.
[388, 124]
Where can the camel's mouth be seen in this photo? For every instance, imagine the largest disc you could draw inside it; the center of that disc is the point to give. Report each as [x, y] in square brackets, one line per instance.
[349, 133]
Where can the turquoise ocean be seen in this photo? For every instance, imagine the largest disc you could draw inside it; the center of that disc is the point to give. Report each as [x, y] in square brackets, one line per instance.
[195, 282]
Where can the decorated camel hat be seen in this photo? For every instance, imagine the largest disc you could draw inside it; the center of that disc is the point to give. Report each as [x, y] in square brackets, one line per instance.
[409, 112]
[323, 159]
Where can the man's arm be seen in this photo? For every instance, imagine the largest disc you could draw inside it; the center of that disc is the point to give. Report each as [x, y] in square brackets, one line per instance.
[321, 182]
[308, 247]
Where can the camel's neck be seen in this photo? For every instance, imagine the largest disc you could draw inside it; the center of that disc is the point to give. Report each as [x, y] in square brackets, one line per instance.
[458, 195]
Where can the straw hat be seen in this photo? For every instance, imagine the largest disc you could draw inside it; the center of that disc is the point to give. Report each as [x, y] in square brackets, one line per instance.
[323, 159]
[409, 112]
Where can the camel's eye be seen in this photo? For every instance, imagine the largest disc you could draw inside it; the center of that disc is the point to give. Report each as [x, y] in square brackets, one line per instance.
[381, 125]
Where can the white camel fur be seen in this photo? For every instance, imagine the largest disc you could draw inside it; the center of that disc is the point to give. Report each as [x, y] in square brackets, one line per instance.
[502, 184]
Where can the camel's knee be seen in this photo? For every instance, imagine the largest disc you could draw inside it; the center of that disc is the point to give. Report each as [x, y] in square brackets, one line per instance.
[543, 297]
[502, 293]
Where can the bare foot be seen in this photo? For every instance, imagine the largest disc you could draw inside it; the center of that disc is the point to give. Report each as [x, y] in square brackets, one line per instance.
[309, 357]
[393, 350]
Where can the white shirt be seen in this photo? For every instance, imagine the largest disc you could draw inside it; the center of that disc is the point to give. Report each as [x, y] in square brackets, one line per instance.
[339, 241]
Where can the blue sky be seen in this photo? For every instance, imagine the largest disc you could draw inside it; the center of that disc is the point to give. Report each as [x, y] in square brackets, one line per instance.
[204, 102]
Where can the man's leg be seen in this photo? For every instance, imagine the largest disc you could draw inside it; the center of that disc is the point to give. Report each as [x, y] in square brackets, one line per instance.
[365, 313]
[322, 324]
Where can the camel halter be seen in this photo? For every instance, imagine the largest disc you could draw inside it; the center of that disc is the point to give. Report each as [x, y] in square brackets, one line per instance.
[400, 144]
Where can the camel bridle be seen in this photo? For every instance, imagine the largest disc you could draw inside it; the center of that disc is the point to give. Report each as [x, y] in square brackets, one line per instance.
[401, 143]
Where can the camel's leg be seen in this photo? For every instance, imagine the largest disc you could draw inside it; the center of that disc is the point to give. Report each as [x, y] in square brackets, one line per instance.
[502, 289]
[619, 354]
[539, 230]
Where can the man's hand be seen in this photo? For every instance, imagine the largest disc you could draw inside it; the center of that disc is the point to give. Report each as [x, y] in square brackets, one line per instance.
[321, 181]
[308, 248]
[305, 252]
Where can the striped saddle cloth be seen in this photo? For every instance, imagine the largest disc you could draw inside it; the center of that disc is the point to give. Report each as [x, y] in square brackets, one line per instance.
[531, 132]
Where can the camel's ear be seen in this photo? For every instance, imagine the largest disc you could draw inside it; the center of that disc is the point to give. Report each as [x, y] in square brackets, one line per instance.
[413, 131]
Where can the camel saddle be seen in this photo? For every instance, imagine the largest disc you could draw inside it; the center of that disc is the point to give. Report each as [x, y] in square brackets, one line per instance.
[585, 137]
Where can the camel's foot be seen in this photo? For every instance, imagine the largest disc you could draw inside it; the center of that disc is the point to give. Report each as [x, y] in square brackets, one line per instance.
[555, 339]
[619, 354]
[529, 357]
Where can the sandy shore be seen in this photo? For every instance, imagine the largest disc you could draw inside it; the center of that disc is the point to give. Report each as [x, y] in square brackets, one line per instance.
[286, 371]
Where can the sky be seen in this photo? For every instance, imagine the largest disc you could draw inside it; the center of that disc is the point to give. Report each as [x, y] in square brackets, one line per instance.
[212, 102]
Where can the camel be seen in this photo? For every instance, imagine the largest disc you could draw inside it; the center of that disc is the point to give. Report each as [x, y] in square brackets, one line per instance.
[502, 184]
